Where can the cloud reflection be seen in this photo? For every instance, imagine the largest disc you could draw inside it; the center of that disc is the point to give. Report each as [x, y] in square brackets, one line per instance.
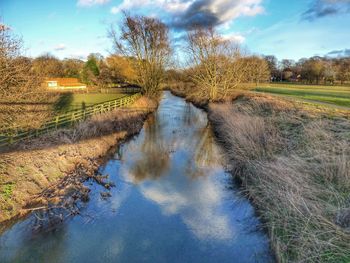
[197, 202]
[174, 167]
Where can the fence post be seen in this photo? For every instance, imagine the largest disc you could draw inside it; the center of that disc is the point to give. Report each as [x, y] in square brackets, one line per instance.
[10, 138]
[121, 102]
[56, 121]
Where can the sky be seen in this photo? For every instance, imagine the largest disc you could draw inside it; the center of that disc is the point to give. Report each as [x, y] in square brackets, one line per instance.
[290, 29]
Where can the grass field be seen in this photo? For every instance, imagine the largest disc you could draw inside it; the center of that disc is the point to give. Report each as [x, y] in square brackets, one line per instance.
[72, 101]
[337, 95]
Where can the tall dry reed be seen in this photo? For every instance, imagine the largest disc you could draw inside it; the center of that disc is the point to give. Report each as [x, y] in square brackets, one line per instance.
[296, 169]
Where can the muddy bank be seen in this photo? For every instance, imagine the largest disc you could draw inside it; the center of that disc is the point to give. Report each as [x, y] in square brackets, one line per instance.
[51, 160]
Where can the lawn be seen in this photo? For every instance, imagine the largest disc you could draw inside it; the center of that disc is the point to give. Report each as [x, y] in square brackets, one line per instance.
[73, 101]
[337, 95]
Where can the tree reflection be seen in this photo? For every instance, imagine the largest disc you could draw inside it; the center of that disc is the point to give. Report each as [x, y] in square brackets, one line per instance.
[162, 135]
[154, 157]
[206, 152]
[177, 148]
[30, 246]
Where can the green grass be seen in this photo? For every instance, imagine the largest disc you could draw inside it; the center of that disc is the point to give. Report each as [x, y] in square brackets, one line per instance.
[71, 101]
[7, 190]
[337, 95]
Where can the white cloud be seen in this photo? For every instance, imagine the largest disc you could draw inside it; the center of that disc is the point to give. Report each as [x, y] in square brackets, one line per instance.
[235, 38]
[167, 5]
[199, 12]
[115, 10]
[92, 2]
[60, 47]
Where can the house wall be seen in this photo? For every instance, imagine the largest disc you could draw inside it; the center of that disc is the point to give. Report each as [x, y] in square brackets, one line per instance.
[64, 84]
[51, 84]
[66, 87]
[73, 87]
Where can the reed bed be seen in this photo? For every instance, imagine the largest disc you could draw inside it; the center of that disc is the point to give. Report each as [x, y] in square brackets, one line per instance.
[295, 167]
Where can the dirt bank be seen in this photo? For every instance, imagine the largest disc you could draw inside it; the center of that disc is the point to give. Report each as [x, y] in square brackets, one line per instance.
[33, 166]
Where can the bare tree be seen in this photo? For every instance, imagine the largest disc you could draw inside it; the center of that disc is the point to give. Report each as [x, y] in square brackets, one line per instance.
[256, 70]
[146, 39]
[121, 68]
[215, 62]
[23, 103]
[343, 70]
[72, 67]
[272, 63]
[287, 64]
[313, 70]
[47, 65]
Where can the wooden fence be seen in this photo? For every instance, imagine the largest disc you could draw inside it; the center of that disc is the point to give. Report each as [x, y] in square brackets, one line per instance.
[67, 119]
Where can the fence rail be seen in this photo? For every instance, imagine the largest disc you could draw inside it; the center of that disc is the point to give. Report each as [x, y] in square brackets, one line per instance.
[67, 119]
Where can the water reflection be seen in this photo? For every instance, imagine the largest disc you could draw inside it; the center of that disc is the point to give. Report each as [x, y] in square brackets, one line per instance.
[175, 150]
[150, 160]
[173, 203]
[197, 204]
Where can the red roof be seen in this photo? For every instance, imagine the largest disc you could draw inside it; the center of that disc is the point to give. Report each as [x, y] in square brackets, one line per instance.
[66, 81]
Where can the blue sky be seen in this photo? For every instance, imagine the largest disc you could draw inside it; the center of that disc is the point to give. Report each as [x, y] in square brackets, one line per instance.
[287, 29]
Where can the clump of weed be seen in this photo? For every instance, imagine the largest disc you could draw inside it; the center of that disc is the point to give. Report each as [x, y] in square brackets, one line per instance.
[7, 190]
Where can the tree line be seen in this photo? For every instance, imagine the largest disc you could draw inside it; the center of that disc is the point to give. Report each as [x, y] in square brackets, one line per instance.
[95, 71]
[314, 70]
[143, 54]
[25, 102]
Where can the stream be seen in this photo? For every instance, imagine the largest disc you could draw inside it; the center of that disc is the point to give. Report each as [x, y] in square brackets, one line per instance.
[173, 202]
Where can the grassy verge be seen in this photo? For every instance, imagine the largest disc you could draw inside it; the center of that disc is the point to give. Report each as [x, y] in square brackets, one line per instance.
[295, 165]
[293, 160]
[337, 95]
[76, 101]
[40, 163]
[26, 113]
[32, 114]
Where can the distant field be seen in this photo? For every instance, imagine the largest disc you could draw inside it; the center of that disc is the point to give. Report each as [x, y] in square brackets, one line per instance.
[71, 101]
[337, 95]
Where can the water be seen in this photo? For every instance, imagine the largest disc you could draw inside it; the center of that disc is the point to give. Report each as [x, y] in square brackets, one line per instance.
[173, 202]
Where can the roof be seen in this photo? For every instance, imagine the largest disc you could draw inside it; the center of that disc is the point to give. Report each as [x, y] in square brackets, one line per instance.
[66, 81]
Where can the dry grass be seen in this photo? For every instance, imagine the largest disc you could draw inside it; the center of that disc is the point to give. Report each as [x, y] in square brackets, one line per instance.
[34, 165]
[191, 93]
[180, 89]
[296, 168]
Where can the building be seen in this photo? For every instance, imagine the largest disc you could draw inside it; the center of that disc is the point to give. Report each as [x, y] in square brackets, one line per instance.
[64, 84]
